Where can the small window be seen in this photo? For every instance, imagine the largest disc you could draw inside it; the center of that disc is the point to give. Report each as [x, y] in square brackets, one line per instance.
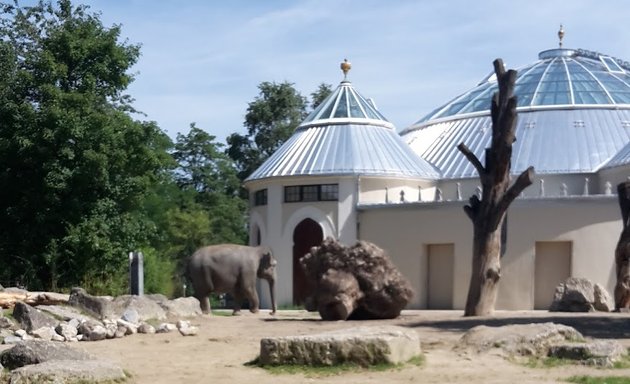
[310, 193]
[260, 197]
[330, 192]
[323, 192]
[292, 194]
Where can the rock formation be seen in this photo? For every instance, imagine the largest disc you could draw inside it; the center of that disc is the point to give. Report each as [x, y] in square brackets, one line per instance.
[622, 252]
[357, 283]
[577, 294]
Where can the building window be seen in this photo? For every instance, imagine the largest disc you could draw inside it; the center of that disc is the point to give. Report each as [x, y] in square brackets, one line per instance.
[301, 193]
[260, 197]
[329, 192]
[292, 194]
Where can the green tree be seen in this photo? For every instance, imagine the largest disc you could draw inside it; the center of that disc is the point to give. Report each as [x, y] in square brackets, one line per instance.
[323, 91]
[270, 120]
[76, 166]
[210, 210]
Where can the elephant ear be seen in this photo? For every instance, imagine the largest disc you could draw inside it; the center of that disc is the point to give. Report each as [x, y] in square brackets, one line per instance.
[267, 259]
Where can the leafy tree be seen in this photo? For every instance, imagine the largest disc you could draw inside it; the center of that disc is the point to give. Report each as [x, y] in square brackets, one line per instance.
[76, 166]
[323, 91]
[210, 210]
[270, 120]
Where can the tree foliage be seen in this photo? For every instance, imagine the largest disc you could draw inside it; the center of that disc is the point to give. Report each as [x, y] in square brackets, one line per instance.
[76, 165]
[270, 120]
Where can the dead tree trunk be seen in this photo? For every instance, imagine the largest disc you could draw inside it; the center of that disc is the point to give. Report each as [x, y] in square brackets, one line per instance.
[622, 252]
[488, 213]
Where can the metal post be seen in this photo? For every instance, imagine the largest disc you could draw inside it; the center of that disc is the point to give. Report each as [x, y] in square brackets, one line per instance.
[136, 273]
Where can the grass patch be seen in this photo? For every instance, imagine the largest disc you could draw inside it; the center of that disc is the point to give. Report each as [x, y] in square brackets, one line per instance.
[290, 307]
[599, 379]
[334, 370]
[623, 363]
[221, 312]
[548, 362]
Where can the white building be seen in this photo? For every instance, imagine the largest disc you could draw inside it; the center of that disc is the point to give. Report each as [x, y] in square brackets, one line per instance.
[348, 174]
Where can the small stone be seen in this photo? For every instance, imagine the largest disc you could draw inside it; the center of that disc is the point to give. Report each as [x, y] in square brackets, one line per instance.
[183, 324]
[57, 337]
[146, 328]
[67, 331]
[5, 322]
[20, 333]
[130, 315]
[189, 331]
[166, 327]
[131, 328]
[12, 340]
[44, 333]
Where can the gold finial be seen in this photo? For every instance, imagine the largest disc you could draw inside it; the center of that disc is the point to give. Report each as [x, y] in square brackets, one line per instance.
[560, 35]
[345, 67]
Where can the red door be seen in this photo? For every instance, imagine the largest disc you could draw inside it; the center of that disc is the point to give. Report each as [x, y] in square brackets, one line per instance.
[307, 234]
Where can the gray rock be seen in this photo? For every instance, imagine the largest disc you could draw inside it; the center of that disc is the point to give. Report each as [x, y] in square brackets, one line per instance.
[181, 307]
[44, 333]
[98, 306]
[67, 331]
[121, 331]
[69, 371]
[11, 339]
[146, 308]
[31, 318]
[130, 327]
[189, 331]
[20, 333]
[578, 294]
[603, 301]
[166, 327]
[57, 337]
[37, 351]
[146, 328]
[360, 345]
[63, 312]
[603, 353]
[92, 330]
[111, 330]
[131, 315]
[518, 339]
[5, 322]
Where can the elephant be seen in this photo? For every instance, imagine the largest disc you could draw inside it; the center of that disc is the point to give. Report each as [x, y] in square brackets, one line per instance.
[232, 268]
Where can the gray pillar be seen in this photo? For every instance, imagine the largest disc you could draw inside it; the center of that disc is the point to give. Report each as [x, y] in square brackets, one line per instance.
[136, 273]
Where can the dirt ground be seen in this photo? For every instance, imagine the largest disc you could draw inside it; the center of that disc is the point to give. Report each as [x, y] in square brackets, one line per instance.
[225, 343]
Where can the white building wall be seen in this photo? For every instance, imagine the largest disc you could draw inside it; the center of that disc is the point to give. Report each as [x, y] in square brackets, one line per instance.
[592, 225]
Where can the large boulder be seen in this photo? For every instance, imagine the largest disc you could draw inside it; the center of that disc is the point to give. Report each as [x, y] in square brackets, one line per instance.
[360, 345]
[181, 307]
[64, 312]
[518, 339]
[578, 294]
[31, 318]
[601, 353]
[144, 307]
[97, 306]
[358, 282]
[37, 351]
[69, 371]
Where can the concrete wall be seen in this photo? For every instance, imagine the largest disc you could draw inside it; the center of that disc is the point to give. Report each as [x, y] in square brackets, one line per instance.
[591, 224]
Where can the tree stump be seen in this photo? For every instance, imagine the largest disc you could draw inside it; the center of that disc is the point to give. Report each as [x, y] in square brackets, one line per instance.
[622, 252]
[357, 283]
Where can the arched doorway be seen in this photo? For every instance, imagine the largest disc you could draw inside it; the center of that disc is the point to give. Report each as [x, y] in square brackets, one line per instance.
[307, 234]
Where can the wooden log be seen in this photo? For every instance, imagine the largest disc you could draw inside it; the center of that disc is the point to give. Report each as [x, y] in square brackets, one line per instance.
[8, 299]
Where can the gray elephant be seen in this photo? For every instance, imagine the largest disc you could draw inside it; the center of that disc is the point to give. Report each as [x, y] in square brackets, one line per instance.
[232, 268]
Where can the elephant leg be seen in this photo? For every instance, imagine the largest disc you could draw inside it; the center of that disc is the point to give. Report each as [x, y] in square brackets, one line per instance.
[201, 294]
[238, 300]
[252, 296]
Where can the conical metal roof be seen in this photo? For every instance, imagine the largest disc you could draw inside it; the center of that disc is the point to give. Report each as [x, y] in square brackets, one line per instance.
[345, 135]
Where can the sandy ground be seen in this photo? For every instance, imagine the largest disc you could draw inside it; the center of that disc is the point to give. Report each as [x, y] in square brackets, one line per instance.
[225, 343]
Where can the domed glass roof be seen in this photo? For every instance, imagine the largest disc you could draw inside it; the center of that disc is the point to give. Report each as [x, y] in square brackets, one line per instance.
[561, 77]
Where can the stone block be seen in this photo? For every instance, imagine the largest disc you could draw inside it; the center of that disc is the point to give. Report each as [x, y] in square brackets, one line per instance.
[367, 345]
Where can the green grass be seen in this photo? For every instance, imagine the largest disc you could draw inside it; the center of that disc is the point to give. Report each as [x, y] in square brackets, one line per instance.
[548, 362]
[334, 370]
[291, 307]
[599, 380]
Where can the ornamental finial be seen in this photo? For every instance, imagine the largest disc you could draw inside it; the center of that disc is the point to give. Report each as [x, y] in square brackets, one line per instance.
[345, 67]
[561, 35]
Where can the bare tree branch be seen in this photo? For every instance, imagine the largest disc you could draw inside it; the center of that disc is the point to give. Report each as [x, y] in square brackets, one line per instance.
[524, 180]
[472, 158]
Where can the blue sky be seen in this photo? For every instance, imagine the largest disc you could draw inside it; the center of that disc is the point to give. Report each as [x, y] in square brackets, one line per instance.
[203, 60]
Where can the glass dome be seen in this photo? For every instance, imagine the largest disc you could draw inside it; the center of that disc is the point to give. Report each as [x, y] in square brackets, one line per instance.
[561, 77]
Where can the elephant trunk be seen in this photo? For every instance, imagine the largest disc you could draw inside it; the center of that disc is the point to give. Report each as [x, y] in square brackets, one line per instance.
[272, 283]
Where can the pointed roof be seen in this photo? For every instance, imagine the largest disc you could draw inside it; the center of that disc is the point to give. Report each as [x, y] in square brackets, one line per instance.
[345, 135]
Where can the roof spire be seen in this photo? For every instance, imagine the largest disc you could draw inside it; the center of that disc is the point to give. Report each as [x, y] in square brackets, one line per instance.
[345, 67]
[561, 35]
